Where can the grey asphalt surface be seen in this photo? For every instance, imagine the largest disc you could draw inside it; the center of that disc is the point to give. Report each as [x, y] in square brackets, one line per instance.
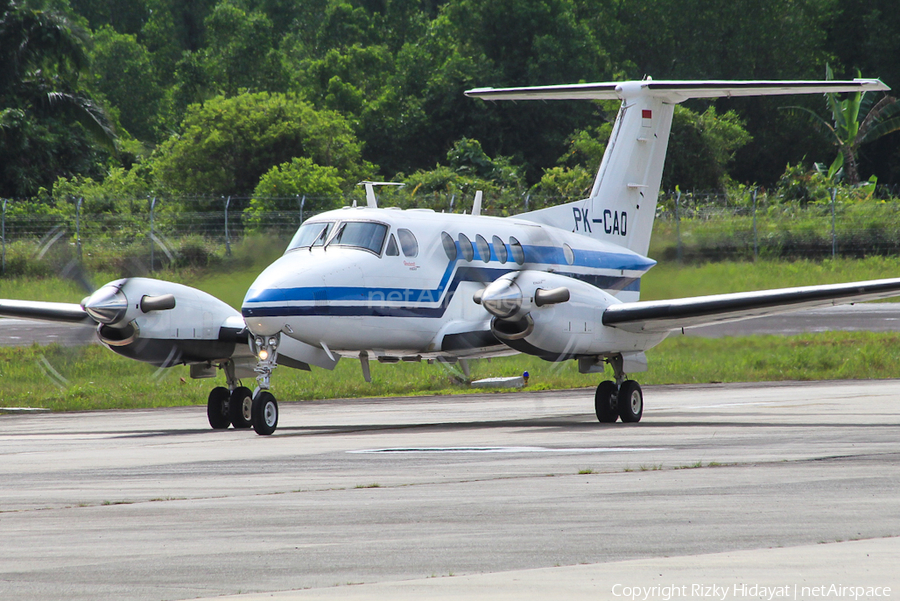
[497, 490]
[23, 332]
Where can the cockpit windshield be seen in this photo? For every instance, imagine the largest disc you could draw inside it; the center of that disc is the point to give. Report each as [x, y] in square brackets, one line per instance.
[361, 234]
[311, 234]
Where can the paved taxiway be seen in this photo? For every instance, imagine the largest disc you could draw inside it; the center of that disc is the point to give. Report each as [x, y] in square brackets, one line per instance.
[154, 505]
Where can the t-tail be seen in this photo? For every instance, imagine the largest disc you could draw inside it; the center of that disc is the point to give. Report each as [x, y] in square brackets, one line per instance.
[622, 202]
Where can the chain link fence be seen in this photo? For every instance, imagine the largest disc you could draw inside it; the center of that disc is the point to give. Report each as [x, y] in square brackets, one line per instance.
[701, 226]
[690, 226]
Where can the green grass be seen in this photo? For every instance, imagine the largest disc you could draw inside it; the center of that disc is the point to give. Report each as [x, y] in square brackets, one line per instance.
[226, 278]
[98, 379]
[666, 280]
[671, 280]
[95, 378]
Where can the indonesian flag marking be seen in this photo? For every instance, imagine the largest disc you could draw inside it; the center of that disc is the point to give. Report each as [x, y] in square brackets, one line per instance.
[646, 117]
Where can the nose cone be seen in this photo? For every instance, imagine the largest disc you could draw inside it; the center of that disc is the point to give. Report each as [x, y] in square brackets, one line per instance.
[502, 298]
[269, 285]
[273, 296]
[107, 305]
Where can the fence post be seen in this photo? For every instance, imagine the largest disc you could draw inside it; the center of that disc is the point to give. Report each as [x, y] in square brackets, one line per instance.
[302, 202]
[755, 233]
[833, 236]
[152, 241]
[678, 252]
[227, 236]
[3, 237]
[78, 227]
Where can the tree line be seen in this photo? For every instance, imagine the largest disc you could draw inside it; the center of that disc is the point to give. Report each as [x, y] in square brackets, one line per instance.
[116, 99]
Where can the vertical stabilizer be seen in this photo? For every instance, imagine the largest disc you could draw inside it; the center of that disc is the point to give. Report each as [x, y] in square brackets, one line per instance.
[622, 202]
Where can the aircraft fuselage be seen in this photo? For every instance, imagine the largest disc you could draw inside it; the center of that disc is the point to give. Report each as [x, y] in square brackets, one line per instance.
[372, 279]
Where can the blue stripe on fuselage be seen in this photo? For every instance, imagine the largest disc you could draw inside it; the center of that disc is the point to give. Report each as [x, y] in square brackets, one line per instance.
[374, 300]
[534, 254]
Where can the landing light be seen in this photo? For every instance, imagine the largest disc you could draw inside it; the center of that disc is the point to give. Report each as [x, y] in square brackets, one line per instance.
[263, 354]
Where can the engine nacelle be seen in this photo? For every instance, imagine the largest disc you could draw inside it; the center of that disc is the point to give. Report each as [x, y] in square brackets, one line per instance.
[556, 317]
[166, 324]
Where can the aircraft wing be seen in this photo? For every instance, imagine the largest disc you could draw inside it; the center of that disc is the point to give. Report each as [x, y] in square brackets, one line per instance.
[45, 311]
[676, 91]
[666, 315]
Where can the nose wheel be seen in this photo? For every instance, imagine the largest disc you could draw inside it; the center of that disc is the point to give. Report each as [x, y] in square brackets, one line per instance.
[265, 412]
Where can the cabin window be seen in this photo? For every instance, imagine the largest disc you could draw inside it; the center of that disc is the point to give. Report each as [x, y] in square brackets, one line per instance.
[449, 246]
[408, 242]
[392, 250]
[465, 246]
[361, 234]
[516, 250]
[483, 249]
[311, 234]
[499, 249]
[569, 253]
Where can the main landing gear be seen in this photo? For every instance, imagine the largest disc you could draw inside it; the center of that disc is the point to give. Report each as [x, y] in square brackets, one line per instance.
[620, 399]
[238, 406]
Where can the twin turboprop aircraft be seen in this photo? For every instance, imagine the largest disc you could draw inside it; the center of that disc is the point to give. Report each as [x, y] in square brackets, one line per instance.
[561, 283]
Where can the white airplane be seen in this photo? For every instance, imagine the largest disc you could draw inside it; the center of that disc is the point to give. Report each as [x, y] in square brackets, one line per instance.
[405, 285]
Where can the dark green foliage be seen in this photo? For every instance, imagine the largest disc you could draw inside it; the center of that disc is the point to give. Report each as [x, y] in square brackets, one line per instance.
[124, 73]
[47, 116]
[701, 148]
[395, 71]
[228, 144]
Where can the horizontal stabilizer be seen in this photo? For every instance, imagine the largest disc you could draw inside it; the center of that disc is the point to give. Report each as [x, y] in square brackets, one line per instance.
[44, 311]
[666, 315]
[676, 91]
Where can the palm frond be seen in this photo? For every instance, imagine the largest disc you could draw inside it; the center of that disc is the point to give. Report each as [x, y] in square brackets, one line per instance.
[881, 129]
[86, 112]
[866, 103]
[813, 119]
[835, 170]
[836, 106]
[887, 109]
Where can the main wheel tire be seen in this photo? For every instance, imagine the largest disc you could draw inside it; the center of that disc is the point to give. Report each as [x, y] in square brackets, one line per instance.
[631, 402]
[240, 407]
[606, 402]
[217, 408]
[265, 413]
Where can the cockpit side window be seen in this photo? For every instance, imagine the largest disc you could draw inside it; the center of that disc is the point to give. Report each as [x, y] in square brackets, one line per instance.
[392, 250]
[311, 234]
[361, 234]
[408, 242]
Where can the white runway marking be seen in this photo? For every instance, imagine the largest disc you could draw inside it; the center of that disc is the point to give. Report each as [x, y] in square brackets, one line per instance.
[509, 450]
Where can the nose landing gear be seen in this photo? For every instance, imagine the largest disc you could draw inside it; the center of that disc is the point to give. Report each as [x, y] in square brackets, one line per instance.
[264, 411]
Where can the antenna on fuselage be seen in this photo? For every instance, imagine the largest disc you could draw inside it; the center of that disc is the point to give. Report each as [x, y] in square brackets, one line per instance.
[371, 202]
[476, 206]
